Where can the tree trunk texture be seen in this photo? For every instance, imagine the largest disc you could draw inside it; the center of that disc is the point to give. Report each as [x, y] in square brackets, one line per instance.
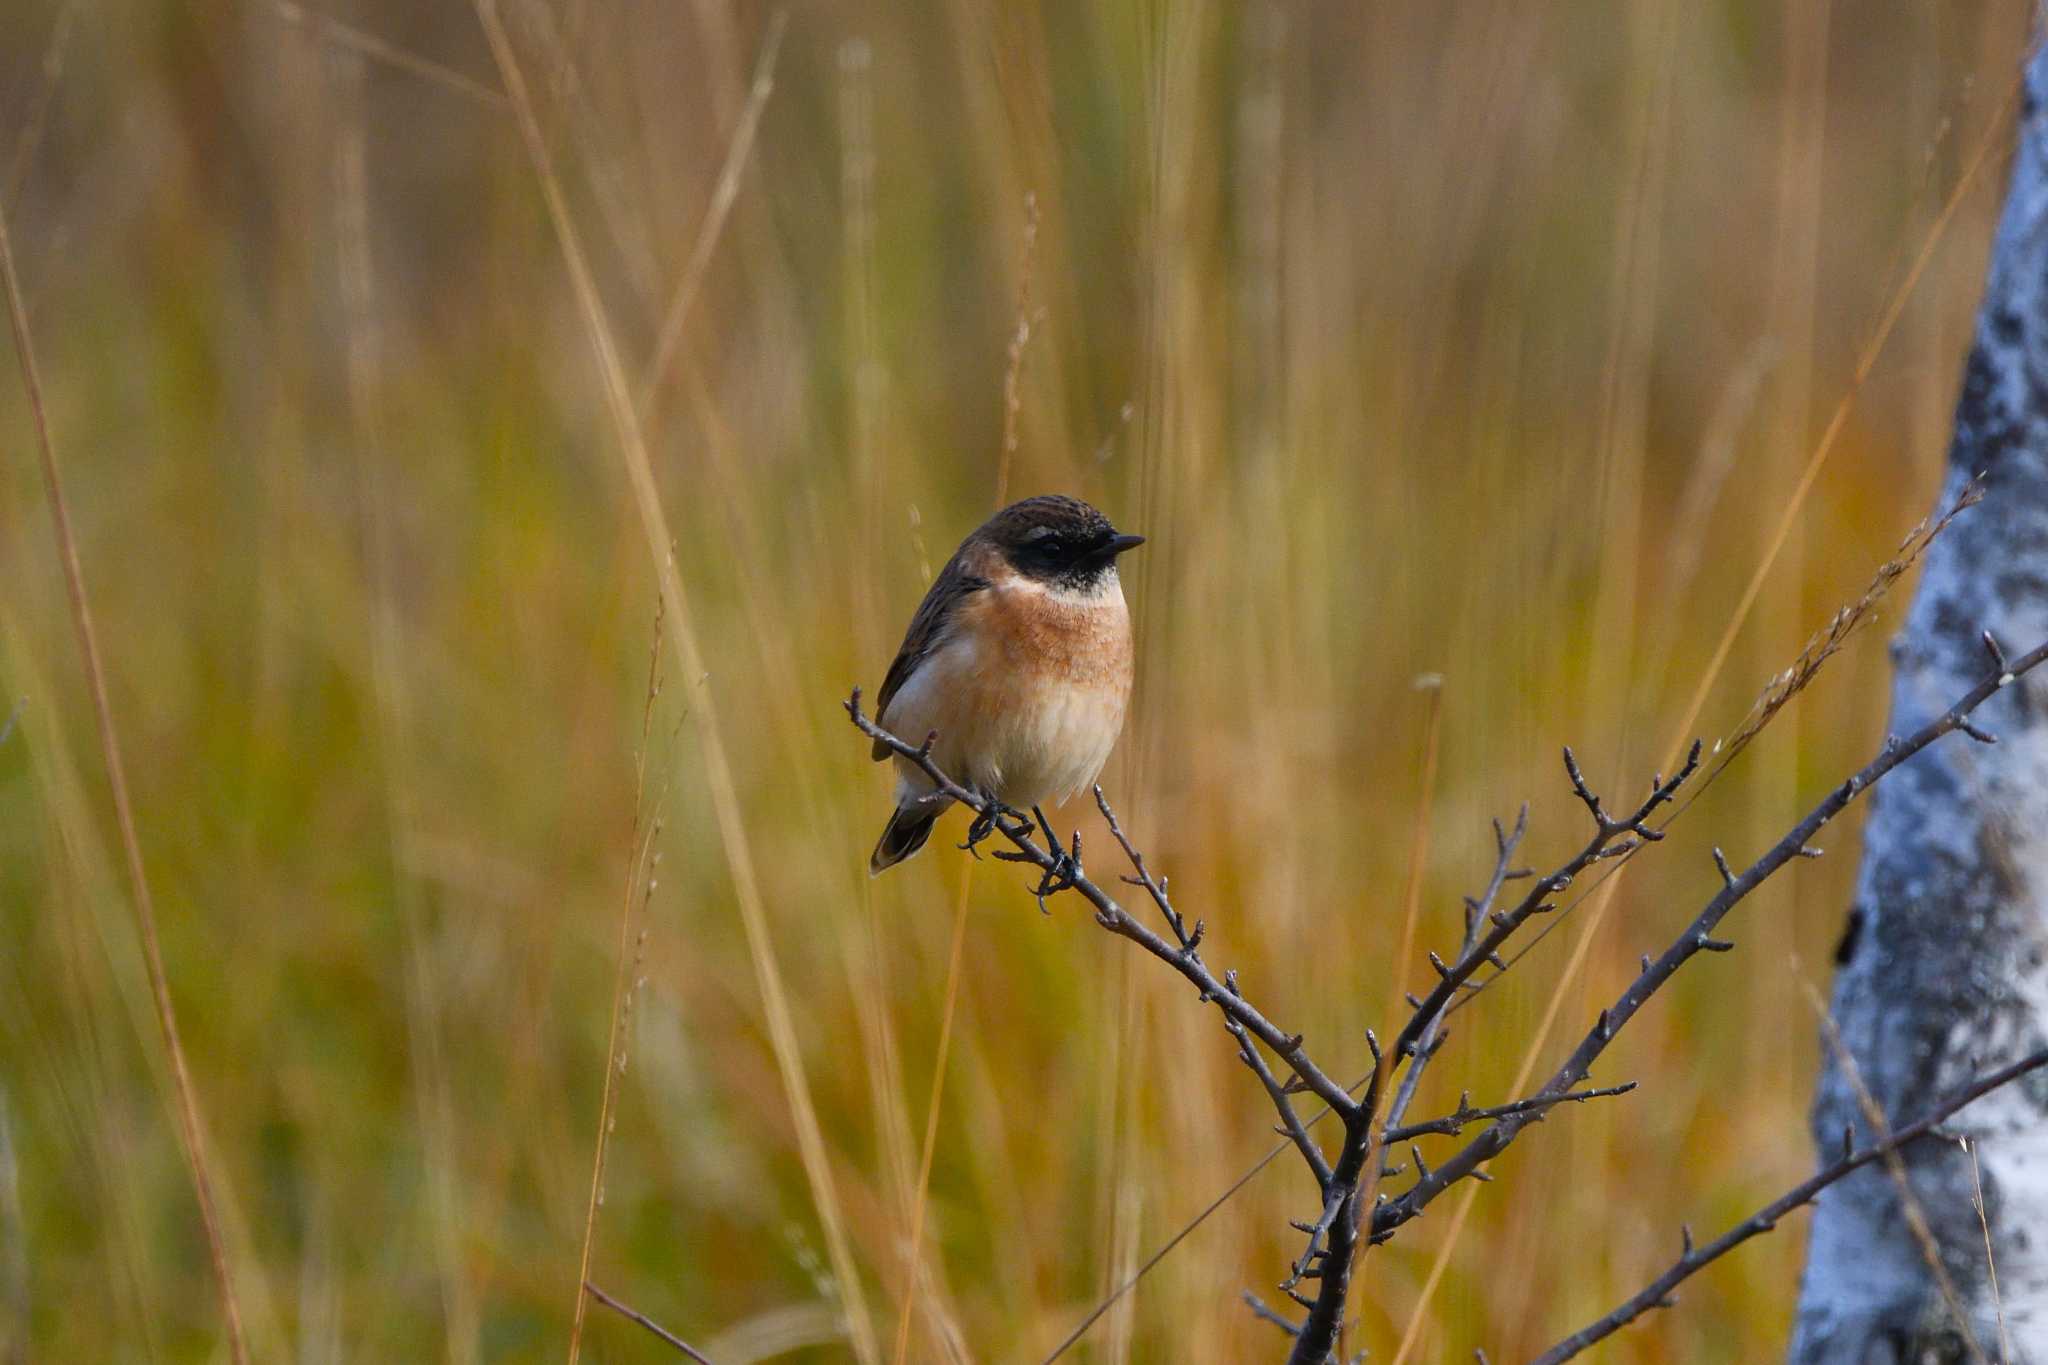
[1941, 965]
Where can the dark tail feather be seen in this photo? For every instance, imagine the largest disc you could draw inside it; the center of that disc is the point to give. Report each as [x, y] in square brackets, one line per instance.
[904, 835]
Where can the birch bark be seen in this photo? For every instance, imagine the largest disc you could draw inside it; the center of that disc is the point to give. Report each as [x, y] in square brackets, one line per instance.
[1941, 966]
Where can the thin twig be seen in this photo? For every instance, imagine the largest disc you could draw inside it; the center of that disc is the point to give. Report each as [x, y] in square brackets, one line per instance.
[1355, 1184]
[1452, 1124]
[1658, 1292]
[1130, 1282]
[1108, 913]
[1265, 1313]
[1866, 361]
[124, 815]
[1430, 1040]
[635, 1315]
[1290, 1121]
[1190, 941]
[1612, 836]
[1778, 693]
[1695, 938]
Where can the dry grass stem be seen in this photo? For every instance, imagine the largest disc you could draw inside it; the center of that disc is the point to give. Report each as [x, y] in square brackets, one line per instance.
[1838, 421]
[641, 862]
[1431, 685]
[1020, 340]
[1603, 896]
[723, 194]
[404, 354]
[1894, 1165]
[349, 38]
[36, 121]
[1345, 1227]
[190, 1130]
[913, 1261]
[1990, 1260]
[717, 767]
[14, 1293]
[1826, 642]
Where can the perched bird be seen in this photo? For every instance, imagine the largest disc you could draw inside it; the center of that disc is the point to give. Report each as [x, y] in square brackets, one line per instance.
[1019, 658]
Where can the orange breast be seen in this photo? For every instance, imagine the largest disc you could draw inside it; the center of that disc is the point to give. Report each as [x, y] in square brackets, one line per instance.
[1045, 637]
[1043, 700]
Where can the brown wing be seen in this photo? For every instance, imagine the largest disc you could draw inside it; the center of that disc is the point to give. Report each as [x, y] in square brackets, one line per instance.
[927, 629]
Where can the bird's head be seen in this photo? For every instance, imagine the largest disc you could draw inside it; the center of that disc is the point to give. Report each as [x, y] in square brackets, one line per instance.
[1059, 541]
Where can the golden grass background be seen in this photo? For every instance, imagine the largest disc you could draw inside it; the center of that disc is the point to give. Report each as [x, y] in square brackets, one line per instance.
[1481, 339]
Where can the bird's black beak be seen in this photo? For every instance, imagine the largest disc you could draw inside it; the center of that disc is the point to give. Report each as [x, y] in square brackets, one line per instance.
[1121, 541]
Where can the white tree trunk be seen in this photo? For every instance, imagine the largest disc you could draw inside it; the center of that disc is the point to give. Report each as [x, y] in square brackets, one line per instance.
[1941, 969]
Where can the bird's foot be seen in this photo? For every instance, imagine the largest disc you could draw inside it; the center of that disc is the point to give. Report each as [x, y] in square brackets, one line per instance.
[994, 816]
[1062, 873]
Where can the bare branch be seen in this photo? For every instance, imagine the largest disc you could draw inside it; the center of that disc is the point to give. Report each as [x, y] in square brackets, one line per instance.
[1291, 1125]
[1608, 834]
[635, 1315]
[1657, 1294]
[1452, 1124]
[1479, 910]
[1264, 1313]
[1695, 938]
[1348, 1176]
[1062, 872]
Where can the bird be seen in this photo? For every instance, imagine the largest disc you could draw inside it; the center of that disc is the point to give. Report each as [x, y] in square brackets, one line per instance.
[1018, 661]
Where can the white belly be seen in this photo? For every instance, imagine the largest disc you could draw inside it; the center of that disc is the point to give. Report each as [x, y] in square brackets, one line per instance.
[1026, 740]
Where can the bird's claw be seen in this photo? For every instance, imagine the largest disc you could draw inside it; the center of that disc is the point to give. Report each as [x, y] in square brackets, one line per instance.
[1063, 875]
[989, 819]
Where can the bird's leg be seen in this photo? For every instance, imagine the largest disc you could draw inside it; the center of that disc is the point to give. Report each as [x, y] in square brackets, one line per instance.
[1064, 872]
[1066, 865]
[1053, 840]
[1061, 873]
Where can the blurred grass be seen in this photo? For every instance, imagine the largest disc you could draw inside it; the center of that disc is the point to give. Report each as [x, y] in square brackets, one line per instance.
[1483, 339]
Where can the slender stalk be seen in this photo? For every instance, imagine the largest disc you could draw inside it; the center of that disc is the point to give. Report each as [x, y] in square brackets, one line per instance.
[632, 1314]
[621, 976]
[931, 1119]
[189, 1129]
[689, 655]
